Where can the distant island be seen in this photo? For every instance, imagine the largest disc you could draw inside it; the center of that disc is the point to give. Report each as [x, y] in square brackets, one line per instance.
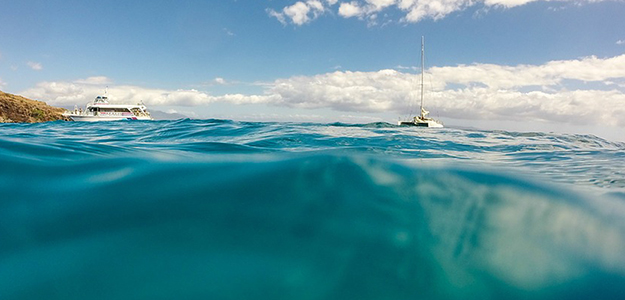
[161, 115]
[18, 109]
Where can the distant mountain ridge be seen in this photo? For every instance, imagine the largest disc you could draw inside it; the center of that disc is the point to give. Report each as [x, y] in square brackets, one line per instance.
[161, 115]
[18, 109]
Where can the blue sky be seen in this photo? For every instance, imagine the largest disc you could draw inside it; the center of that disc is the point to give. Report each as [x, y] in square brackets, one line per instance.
[511, 64]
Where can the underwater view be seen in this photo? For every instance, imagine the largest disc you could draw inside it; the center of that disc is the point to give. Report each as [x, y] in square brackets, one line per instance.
[219, 209]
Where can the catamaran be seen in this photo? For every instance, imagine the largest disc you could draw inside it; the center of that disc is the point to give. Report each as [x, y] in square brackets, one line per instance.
[101, 110]
[422, 120]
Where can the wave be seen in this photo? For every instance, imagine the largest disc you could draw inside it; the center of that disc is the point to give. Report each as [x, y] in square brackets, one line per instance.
[573, 159]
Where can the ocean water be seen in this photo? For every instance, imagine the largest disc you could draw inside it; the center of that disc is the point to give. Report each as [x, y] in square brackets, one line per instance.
[217, 209]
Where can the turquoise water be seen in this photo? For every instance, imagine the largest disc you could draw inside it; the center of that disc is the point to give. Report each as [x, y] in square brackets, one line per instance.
[214, 209]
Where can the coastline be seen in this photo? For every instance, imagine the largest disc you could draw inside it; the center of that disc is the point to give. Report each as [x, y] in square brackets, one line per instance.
[18, 109]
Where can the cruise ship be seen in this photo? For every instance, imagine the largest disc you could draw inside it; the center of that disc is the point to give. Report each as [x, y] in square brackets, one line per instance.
[101, 110]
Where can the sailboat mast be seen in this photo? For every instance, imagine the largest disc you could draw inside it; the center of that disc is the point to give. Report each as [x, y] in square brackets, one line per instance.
[422, 70]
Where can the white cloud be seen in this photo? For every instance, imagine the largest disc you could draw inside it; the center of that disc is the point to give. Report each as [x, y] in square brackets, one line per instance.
[418, 10]
[555, 91]
[620, 42]
[504, 77]
[35, 66]
[380, 4]
[2, 83]
[228, 32]
[579, 107]
[548, 92]
[414, 10]
[302, 12]
[81, 91]
[350, 9]
[345, 91]
[279, 16]
[513, 3]
[96, 80]
[362, 8]
[220, 81]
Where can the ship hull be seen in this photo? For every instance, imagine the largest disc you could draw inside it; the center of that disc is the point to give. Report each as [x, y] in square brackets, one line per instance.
[106, 118]
[432, 124]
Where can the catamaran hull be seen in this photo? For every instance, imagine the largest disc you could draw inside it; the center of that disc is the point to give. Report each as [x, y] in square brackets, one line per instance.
[421, 124]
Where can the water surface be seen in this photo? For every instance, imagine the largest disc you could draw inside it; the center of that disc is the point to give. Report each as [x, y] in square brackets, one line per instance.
[217, 209]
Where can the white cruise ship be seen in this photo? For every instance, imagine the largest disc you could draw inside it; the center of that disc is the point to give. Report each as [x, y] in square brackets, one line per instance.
[101, 110]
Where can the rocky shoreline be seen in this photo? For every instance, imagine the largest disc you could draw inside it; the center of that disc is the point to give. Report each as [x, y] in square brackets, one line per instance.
[18, 109]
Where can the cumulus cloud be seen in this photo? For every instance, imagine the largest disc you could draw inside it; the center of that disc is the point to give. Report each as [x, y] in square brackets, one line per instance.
[220, 80]
[350, 9]
[345, 91]
[579, 107]
[35, 66]
[557, 91]
[548, 92]
[301, 12]
[78, 92]
[417, 10]
[499, 77]
[413, 10]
